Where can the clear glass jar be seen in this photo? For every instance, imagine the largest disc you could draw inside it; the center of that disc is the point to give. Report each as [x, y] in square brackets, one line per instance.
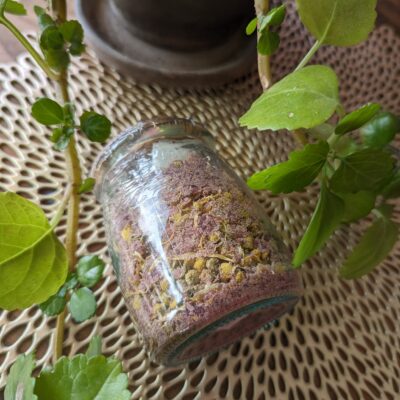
[197, 260]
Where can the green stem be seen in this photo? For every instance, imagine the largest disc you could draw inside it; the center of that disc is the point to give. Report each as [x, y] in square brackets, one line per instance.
[61, 208]
[309, 55]
[25, 42]
[264, 67]
[74, 175]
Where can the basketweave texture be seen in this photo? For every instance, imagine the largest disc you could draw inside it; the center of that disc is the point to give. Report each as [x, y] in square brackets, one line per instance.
[342, 341]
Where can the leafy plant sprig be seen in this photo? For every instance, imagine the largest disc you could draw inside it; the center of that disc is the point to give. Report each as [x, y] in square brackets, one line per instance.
[352, 160]
[35, 267]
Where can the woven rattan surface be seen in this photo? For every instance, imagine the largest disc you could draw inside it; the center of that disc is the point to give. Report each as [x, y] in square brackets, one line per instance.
[342, 341]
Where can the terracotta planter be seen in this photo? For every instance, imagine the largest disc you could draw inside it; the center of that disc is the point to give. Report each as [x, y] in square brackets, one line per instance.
[179, 42]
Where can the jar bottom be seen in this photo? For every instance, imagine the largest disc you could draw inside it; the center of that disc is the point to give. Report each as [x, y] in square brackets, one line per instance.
[232, 327]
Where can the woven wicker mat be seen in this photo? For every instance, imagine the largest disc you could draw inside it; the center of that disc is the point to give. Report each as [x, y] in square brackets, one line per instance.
[342, 341]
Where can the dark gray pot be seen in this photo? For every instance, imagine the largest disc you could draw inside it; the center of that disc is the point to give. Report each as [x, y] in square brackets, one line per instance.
[174, 42]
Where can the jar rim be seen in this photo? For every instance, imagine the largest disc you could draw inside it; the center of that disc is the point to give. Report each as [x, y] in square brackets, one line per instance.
[147, 131]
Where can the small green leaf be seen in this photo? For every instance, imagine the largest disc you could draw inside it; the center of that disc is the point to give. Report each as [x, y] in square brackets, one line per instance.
[299, 171]
[61, 137]
[82, 304]
[87, 185]
[20, 384]
[357, 205]
[251, 26]
[69, 114]
[71, 282]
[33, 263]
[83, 378]
[15, 7]
[57, 59]
[95, 126]
[274, 17]
[90, 270]
[375, 245]
[366, 169]
[55, 304]
[72, 31]
[338, 22]
[381, 130]
[357, 118]
[325, 220]
[47, 111]
[51, 39]
[303, 99]
[268, 43]
[94, 348]
[44, 19]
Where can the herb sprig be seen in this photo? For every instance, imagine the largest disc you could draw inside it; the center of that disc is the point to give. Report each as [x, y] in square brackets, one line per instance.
[352, 160]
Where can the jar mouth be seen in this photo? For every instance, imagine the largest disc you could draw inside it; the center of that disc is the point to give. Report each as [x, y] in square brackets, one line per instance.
[144, 132]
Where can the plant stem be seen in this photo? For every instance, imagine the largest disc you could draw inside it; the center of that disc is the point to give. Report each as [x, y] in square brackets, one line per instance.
[300, 137]
[25, 42]
[264, 67]
[74, 175]
[309, 55]
[61, 208]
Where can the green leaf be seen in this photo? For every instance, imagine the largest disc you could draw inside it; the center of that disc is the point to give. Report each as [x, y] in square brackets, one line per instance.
[44, 19]
[251, 26]
[55, 304]
[82, 304]
[303, 99]
[20, 384]
[90, 270]
[83, 378]
[87, 185]
[338, 22]
[15, 7]
[274, 17]
[69, 114]
[57, 59]
[357, 205]
[357, 118]
[392, 188]
[325, 220]
[375, 245]
[344, 146]
[95, 126]
[51, 39]
[381, 130]
[71, 281]
[47, 111]
[33, 263]
[268, 43]
[61, 137]
[299, 171]
[94, 348]
[366, 169]
[72, 31]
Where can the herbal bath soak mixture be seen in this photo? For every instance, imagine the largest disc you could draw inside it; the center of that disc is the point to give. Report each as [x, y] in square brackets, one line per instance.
[191, 243]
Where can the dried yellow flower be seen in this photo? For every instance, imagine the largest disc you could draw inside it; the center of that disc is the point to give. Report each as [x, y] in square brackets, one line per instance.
[225, 271]
[199, 264]
[126, 233]
[192, 277]
[239, 276]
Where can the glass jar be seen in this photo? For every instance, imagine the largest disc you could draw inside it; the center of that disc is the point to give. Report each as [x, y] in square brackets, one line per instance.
[198, 262]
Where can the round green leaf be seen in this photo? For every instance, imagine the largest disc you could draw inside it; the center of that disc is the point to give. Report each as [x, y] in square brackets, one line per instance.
[33, 263]
[55, 304]
[90, 270]
[251, 26]
[87, 185]
[95, 126]
[268, 43]
[15, 7]
[304, 99]
[47, 111]
[338, 22]
[51, 39]
[381, 130]
[82, 304]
